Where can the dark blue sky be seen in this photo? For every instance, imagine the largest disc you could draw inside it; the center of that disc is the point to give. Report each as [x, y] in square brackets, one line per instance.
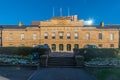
[13, 11]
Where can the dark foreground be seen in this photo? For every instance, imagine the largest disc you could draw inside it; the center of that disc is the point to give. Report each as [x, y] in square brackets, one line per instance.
[61, 74]
[15, 73]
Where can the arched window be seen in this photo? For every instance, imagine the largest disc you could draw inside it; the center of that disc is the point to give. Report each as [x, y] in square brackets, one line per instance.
[68, 47]
[76, 46]
[60, 47]
[53, 47]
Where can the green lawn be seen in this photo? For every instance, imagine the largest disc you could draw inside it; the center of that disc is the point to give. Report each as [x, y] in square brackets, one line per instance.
[106, 74]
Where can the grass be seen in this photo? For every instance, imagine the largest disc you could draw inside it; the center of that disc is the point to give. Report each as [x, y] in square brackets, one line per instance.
[106, 74]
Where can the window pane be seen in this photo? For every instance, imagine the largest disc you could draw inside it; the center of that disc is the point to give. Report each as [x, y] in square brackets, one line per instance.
[22, 36]
[100, 45]
[10, 36]
[88, 36]
[53, 35]
[76, 46]
[60, 47]
[68, 47]
[61, 35]
[53, 47]
[34, 36]
[111, 45]
[111, 36]
[100, 36]
[45, 35]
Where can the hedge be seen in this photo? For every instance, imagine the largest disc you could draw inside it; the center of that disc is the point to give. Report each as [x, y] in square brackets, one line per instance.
[97, 53]
[21, 50]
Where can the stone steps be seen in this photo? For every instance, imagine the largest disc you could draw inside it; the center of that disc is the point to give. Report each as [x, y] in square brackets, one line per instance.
[61, 62]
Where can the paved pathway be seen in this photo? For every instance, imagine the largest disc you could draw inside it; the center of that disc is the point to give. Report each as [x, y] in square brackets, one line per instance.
[61, 74]
[14, 73]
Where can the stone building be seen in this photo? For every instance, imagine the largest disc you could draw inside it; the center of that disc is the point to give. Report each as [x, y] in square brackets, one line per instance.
[1, 36]
[61, 34]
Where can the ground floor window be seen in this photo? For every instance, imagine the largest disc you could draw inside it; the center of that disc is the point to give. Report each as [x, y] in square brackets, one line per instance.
[76, 46]
[53, 47]
[111, 45]
[68, 47]
[100, 45]
[60, 47]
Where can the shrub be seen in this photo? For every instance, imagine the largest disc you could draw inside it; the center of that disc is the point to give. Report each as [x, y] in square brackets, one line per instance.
[98, 53]
[24, 51]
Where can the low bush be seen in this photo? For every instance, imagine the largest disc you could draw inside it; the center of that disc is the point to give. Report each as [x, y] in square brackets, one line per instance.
[24, 51]
[97, 53]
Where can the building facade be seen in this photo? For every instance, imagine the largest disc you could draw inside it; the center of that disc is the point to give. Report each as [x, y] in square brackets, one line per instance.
[0, 36]
[61, 34]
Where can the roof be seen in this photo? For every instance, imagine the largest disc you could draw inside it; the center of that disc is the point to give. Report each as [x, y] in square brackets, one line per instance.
[16, 26]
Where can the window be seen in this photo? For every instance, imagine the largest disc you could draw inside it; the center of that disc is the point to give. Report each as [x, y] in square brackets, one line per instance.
[53, 47]
[76, 35]
[45, 35]
[61, 35]
[111, 36]
[111, 45]
[60, 47]
[22, 45]
[34, 36]
[68, 47]
[100, 45]
[10, 45]
[76, 46]
[100, 36]
[22, 36]
[68, 35]
[34, 45]
[10, 36]
[53, 35]
[88, 36]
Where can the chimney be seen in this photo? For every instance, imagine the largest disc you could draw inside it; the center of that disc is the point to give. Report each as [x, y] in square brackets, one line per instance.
[102, 24]
[20, 24]
[75, 17]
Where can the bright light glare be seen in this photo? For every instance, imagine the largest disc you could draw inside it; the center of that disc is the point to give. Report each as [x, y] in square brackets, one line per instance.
[88, 22]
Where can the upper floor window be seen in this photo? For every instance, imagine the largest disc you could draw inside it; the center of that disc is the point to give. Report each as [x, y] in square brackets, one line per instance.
[53, 35]
[22, 36]
[68, 35]
[10, 36]
[34, 36]
[45, 35]
[88, 36]
[61, 35]
[100, 36]
[76, 35]
[111, 36]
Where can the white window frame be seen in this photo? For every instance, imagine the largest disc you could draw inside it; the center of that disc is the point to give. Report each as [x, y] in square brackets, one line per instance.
[111, 36]
[34, 36]
[22, 36]
[88, 36]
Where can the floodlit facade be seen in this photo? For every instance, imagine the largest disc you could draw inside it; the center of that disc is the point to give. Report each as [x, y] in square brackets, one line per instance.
[62, 34]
